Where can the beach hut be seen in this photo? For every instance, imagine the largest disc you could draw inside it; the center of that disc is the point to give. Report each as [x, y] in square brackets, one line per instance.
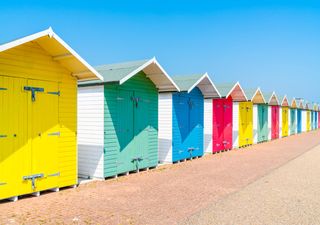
[300, 108]
[210, 122]
[186, 123]
[303, 117]
[315, 117]
[284, 117]
[242, 130]
[273, 115]
[222, 118]
[318, 116]
[38, 94]
[260, 115]
[293, 116]
[308, 116]
[118, 118]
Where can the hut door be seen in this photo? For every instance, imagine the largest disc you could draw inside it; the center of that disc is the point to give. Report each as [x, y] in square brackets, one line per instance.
[195, 126]
[44, 132]
[227, 124]
[299, 125]
[14, 149]
[284, 121]
[124, 130]
[260, 123]
[293, 120]
[141, 130]
[242, 124]
[218, 125]
[249, 119]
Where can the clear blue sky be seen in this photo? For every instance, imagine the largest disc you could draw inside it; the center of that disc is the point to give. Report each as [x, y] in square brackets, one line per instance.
[271, 44]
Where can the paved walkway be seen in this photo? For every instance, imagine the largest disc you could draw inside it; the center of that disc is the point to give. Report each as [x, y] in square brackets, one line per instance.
[288, 195]
[169, 194]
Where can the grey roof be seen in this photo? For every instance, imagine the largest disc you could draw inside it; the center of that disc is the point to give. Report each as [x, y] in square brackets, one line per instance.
[224, 88]
[268, 95]
[116, 72]
[186, 82]
[250, 92]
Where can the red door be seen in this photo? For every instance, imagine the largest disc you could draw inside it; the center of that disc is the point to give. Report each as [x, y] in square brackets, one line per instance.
[275, 122]
[318, 119]
[217, 120]
[227, 133]
[222, 124]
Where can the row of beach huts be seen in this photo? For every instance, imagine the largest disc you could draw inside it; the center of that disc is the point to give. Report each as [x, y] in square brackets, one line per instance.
[61, 118]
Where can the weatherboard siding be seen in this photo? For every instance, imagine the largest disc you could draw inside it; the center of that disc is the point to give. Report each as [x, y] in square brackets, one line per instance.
[90, 131]
[165, 127]
[255, 124]
[269, 122]
[208, 110]
[235, 125]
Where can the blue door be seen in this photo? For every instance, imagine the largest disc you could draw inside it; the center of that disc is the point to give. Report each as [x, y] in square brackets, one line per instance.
[299, 114]
[187, 125]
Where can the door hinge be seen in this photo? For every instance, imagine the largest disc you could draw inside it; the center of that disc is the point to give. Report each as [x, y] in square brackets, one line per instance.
[2, 183]
[3, 89]
[33, 91]
[54, 134]
[3, 136]
[54, 93]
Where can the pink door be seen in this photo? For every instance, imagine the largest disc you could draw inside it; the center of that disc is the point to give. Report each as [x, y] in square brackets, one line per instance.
[275, 122]
[318, 119]
[227, 133]
[217, 120]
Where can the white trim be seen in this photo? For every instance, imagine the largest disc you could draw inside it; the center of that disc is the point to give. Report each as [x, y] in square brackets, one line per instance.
[200, 79]
[237, 84]
[153, 60]
[53, 35]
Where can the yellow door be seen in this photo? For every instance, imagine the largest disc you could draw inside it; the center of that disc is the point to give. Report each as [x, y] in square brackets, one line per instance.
[15, 152]
[249, 128]
[44, 132]
[285, 122]
[308, 121]
[242, 124]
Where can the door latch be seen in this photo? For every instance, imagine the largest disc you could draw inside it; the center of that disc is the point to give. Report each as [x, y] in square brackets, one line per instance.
[3, 136]
[54, 93]
[33, 179]
[54, 134]
[33, 91]
[3, 89]
[2, 183]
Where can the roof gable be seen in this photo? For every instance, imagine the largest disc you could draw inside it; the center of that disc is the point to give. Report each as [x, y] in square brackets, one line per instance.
[60, 52]
[202, 81]
[255, 96]
[233, 90]
[121, 72]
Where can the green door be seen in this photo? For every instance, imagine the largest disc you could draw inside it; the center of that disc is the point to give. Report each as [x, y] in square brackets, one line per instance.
[293, 121]
[141, 130]
[125, 131]
[262, 123]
